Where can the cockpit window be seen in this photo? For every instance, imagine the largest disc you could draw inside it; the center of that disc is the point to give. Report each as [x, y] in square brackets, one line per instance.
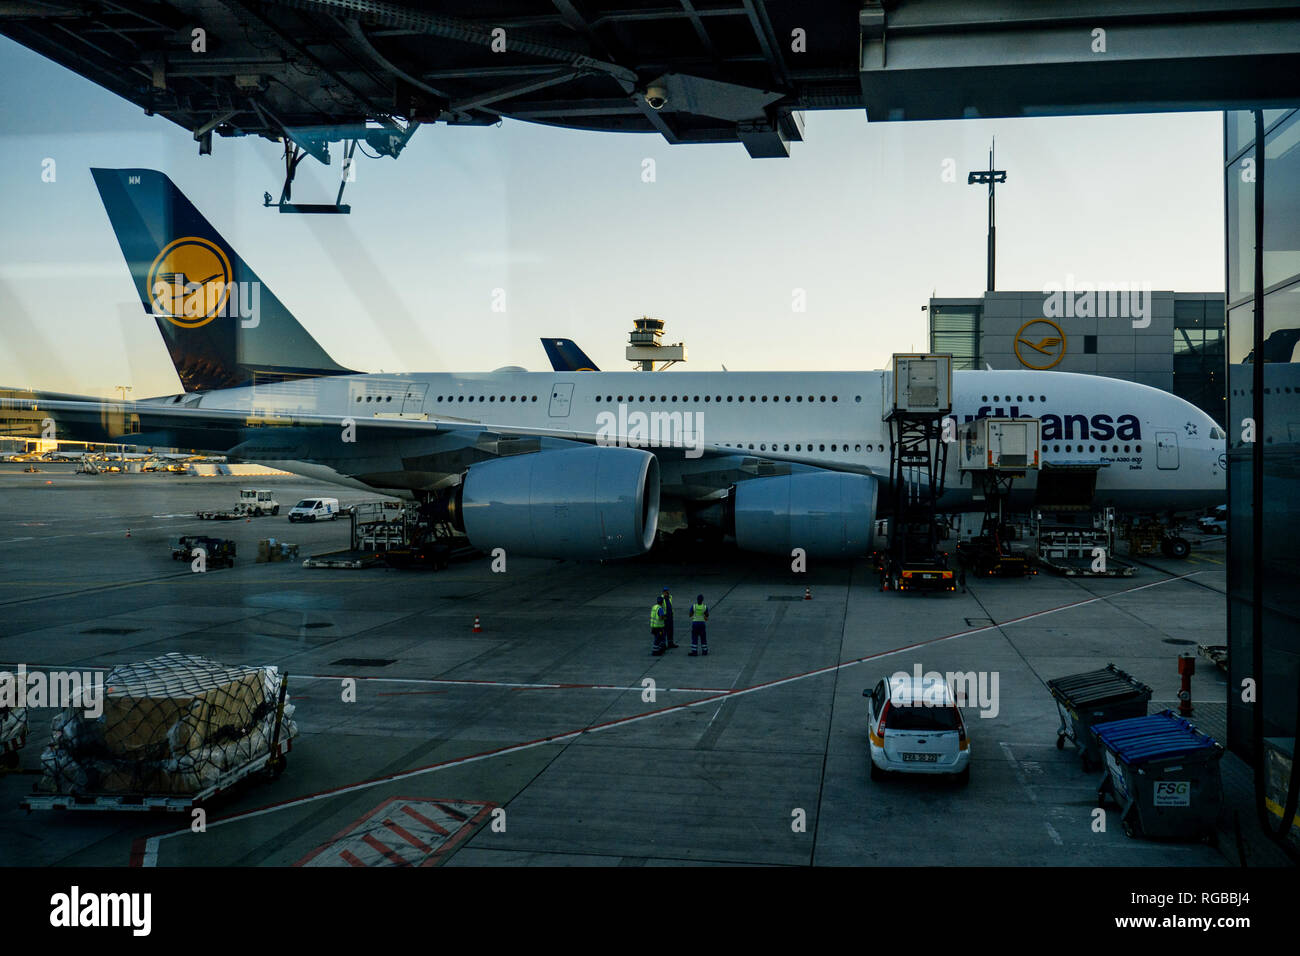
[1217, 432]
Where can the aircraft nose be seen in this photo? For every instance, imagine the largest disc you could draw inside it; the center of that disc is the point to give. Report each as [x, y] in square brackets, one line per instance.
[1217, 454]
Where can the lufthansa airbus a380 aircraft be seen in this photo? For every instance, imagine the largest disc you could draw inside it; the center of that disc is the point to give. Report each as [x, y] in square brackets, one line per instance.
[582, 465]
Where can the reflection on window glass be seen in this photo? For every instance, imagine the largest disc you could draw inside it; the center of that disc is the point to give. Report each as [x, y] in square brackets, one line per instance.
[1282, 219]
[1241, 127]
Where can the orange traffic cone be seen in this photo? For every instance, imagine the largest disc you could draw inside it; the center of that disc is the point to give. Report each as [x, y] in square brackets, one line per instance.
[807, 594]
[478, 628]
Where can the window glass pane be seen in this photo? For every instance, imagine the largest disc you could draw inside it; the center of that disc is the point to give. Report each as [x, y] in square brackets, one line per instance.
[1277, 436]
[1189, 311]
[1282, 203]
[1241, 230]
[921, 717]
[955, 330]
[1282, 213]
[1241, 127]
[1214, 314]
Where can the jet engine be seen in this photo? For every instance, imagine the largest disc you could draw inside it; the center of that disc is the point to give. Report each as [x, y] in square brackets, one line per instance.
[829, 514]
[589, 502]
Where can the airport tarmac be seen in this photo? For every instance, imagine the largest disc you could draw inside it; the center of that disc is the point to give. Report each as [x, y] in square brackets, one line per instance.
[538, 741]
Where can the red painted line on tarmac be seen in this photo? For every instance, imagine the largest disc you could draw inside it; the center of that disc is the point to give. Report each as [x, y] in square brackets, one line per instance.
[387, 852]
[415, 814]
[350, 859]
[138, 848]
[460, 835]
[451, 812]
[345, 831]
[408, 836]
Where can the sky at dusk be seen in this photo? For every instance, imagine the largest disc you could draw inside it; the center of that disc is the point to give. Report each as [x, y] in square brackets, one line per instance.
[860, 223]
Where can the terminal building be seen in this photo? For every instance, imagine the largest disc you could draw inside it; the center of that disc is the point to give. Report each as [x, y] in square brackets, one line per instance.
[1170, 340]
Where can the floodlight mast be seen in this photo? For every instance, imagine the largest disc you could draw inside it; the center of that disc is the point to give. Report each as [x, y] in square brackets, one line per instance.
[991, 177]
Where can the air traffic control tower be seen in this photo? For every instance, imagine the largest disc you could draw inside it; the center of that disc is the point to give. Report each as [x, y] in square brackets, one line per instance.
[645, 348]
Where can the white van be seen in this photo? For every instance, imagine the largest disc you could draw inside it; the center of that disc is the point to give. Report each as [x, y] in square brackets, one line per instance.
[315, 509]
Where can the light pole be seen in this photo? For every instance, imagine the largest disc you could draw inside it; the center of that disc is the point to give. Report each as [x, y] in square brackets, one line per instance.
[121, 449]
[992, 177]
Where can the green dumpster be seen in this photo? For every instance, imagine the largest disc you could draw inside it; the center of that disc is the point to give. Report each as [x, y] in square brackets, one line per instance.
[1091, 698]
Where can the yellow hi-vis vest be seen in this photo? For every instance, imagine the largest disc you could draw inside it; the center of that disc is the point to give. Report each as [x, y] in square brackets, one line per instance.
[656, 615]
[699, 611]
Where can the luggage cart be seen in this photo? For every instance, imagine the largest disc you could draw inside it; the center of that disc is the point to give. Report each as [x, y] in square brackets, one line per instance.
[219, 551]
[1095, 697]
[1164, 775]
[269, 765]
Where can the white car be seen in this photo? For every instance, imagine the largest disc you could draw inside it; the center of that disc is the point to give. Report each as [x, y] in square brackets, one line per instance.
[1216, 522]
[915, 726]
[315, 509]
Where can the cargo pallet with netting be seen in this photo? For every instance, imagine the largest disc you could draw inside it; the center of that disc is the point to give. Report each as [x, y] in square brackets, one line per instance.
[174, 732]
[13, 735]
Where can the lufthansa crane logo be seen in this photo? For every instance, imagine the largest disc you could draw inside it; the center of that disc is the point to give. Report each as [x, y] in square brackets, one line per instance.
[1040, 344]
[189, 282]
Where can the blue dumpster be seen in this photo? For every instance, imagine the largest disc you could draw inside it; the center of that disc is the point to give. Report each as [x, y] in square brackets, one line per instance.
[1164, 775]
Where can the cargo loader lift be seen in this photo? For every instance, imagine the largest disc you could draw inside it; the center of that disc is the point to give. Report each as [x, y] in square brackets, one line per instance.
[918, 397]
[1079, 550]
[397, 536]
[1071, 538]
[995, 452]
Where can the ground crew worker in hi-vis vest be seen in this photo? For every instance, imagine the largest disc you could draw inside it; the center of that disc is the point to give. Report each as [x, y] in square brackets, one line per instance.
[657, 627]
[668, 620]
[699, 637]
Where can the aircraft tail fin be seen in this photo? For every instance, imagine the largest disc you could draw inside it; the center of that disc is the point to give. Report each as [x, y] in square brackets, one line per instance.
[565, 356]
[222, 326]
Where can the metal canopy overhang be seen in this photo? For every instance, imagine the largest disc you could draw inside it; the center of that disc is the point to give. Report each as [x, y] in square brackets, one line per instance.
[954, 60]
[738, 71]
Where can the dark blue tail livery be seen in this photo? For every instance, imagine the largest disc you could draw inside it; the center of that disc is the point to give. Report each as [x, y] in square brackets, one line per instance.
[223, 327]
[565, 356]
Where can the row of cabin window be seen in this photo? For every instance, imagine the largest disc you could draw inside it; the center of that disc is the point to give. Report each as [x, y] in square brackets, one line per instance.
[777, 446]
[459, 398]
[812, 399]
[1114, 448]
[664, 398]
[609, 398]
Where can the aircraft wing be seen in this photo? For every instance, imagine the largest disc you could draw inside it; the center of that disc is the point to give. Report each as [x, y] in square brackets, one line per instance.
[391, 451]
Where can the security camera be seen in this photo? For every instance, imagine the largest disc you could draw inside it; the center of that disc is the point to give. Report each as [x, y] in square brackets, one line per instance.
[656, 97]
